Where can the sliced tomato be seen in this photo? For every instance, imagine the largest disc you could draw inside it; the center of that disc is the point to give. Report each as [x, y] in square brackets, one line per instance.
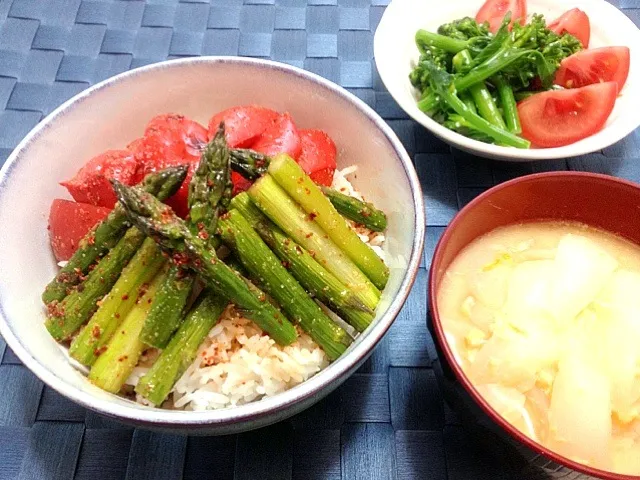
[170, 140]
[317, 156]
[240, 184]
[182, 136]
[243, 124]
[281, 136]
[493, 11]
[561, 117]
[607, 64]
[575, 22]
[91, 184]
[69, 222]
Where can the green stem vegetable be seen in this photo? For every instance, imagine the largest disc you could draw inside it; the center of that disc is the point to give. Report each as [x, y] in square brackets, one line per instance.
[209, 190]
[262, 263]
[113, 308]
[181, 351]
[115, 364]
[172, 234]
[67, 316]
[249, 163]
[107, 233]
[448, 44]
[442, 83]
[290, 176]
[482, 98]
[509, 105]
[168, 306]
[480, 73]
[274, 202]
[316, 279]
[359, 211]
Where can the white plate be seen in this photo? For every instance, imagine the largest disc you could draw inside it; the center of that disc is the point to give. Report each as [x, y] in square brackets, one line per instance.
[395, 53]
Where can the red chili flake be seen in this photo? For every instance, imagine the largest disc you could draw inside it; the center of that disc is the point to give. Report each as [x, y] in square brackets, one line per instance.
[203, 235]
[312, 216]
[180, 258]
[123, 358]
[125, 297]
[326, 236]
[309, 235]
[166, 215]
[224, 216]
[197, 263]
[286, 264]
[99, 351]
[312, 253]
[66, 277]
[307, 191]
[143, 289]
[54, 309]
[91, 239]
[365, 213]
[287, 241]
[200, 226]
[96, 331]
[117, 315]
[300, 180]
[299, 249]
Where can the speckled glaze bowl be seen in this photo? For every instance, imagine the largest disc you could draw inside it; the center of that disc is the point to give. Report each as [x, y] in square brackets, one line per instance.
[114, 112]
[598, 200]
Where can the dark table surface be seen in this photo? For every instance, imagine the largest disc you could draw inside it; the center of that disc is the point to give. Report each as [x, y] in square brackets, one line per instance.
[388, 421]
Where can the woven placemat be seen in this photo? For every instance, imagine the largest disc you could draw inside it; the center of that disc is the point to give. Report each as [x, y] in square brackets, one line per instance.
[389, 420]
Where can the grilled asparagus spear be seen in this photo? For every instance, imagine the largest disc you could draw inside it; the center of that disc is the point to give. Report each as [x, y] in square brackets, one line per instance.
[107, 234]
[274, 202]
[172, 234]
[209, 191]
[316, 279]
[182, 349]
[262, 263]
[288, 174]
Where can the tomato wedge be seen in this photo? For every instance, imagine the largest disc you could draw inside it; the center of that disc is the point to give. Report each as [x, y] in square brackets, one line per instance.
[281, 136]
[91, 184]
[184, 136]
[317, 156]
[69, 222]
[240, 184]
[561, 117]
[575, 22]
[170, 140]
[607, 64]
[493, 11]
[243, 125]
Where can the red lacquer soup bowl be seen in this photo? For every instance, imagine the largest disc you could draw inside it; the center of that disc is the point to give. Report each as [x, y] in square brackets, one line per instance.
[598, 200]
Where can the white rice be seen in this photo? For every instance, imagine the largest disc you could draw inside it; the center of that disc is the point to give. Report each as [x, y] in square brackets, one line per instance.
[238, 363]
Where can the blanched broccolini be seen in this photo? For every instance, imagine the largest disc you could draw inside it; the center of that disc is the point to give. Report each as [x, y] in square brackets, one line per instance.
[492, 67]
[464, 29]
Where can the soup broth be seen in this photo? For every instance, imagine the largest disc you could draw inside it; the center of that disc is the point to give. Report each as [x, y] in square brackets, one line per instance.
[544, 319]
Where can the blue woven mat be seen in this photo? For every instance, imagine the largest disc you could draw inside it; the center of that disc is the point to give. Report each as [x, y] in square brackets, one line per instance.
[389, 420]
